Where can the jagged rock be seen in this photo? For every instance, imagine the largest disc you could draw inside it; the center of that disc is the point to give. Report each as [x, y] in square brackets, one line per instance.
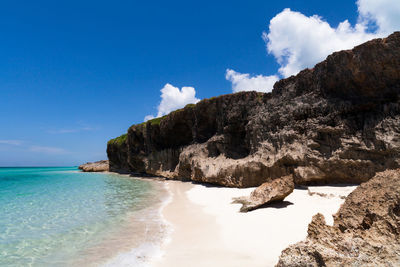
[335, 123]
[366, 229]
[266, 193]
[98, 166]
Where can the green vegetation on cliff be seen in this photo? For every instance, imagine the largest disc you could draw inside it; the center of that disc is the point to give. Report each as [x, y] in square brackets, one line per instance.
[155, 121]
[190, 106]
[118, 140]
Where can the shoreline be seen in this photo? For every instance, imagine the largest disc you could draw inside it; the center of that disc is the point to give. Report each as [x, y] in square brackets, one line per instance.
[194, 233]
[203, 228]
[143, 238]
[207, 230]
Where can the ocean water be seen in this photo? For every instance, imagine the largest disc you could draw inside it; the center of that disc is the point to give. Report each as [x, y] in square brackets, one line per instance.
[63, 217]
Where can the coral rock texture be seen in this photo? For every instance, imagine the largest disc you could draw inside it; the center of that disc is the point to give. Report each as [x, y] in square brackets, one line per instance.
[366, 229]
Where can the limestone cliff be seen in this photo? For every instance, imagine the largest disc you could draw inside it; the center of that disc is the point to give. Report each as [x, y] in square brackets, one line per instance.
[337, 122]
[366, 229]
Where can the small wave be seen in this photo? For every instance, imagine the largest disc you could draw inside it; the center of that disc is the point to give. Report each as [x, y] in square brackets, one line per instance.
[138, 257]
[149, 251]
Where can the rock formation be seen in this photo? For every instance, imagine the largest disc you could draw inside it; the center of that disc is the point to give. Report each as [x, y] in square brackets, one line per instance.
[366, 229]
[117, 152]
[338, 122]
[267, 193]
[98, 166]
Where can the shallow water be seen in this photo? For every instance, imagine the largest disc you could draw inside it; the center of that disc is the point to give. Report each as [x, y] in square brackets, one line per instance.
[62, 217]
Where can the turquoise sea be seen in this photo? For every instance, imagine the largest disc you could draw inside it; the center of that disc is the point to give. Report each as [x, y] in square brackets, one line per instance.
[64, 217]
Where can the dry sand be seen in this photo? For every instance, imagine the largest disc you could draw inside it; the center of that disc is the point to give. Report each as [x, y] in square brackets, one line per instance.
[209, 231]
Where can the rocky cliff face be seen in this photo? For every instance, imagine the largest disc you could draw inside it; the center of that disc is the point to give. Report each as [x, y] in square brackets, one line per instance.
[337, 122]
[117, 152]
[366, 229]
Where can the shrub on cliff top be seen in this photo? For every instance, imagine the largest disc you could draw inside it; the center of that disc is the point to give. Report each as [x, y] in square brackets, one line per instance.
[155, 121]
[119, 140]
[190, 106]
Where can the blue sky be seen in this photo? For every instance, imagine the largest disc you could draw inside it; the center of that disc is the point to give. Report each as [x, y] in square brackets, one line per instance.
[74, 74]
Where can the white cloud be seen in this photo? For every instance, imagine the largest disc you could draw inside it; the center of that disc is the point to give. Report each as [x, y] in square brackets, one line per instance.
[299, 42]
[243, 81]
[11, 142]
[47, 150]
[173, 98]
[148, 117]
[384, 13]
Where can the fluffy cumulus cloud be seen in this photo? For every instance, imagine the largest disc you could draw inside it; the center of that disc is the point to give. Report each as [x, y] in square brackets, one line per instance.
[385, 14]
[298, 41]
[244, 82]
[173, 98]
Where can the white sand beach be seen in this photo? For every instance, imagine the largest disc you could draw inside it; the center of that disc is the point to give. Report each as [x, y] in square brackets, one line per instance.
[209, 231]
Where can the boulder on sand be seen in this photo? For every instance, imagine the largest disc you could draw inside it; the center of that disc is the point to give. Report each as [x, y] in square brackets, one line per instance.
[269, 192]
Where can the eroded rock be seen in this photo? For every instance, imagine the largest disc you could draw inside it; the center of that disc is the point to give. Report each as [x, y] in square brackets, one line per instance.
[335, 123]
[269, 192]
[366, 229]
[98, 166]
